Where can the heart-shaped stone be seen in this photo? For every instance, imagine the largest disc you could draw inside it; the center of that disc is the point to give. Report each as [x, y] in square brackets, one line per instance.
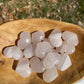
[36, 65]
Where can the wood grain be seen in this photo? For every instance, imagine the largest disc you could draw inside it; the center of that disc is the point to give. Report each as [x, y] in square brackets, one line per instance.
[8, 34]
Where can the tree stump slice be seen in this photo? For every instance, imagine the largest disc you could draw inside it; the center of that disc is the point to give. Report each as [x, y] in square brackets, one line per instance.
[8, 35]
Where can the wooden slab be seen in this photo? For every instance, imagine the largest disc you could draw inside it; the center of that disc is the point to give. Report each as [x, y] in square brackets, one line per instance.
[8, 35]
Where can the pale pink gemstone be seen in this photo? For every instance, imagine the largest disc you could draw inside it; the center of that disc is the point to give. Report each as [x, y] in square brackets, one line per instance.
[29, 51]
[50, 75]
[56, 31]
[51, 59]
[23, 67]
[23, 43]
[56, 41]
[64, 63]
[25, 34]
[67, 47]
[42, 49]
[7, 52]
[55, 38]
[36, 65]
[70, 37]
[37, 37]
[25, 40]
[13, 52]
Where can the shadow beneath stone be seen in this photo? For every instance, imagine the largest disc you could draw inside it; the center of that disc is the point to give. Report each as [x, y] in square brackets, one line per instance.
[2, 61]
[47, 33]
[15, 64]
[33, 32]
[40, 75]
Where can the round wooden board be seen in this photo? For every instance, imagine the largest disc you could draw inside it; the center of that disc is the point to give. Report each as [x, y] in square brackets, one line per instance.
[8, 34]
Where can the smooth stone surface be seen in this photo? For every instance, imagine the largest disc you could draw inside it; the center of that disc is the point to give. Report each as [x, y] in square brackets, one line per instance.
[64, 63]
[67, 47]
[37, 36]
[23, 67]
[56, 31]
[46, 39]
[13, 52]
[50, 75]
[7, 52]
[51, 59]
[23, 42]
[55, 39]
[36, 65]
[42, 49]
[29, 51]
[25, 35]
[70, 37]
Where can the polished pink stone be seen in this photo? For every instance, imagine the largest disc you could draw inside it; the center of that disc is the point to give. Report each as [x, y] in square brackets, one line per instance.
[70, 37]
[42, 49]
[50, 75]
[23, 68]
[64, 63]
[51, 59]
[29, 51]
[55, 38]
[13, 52]
[37, 37]
[36, 65]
